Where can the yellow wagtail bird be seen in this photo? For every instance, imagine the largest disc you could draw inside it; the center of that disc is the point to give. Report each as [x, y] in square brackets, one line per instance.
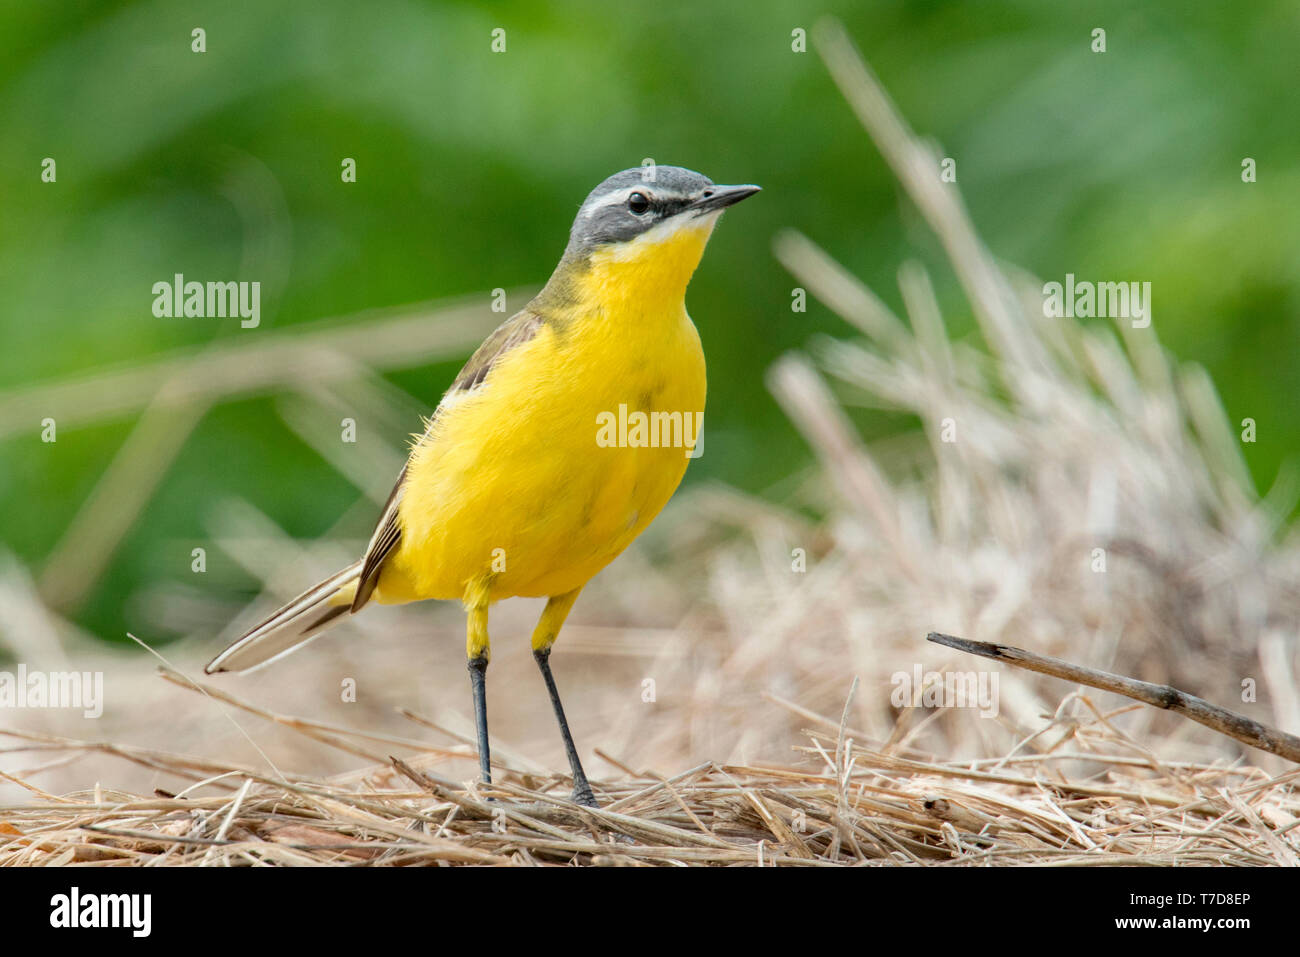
[519, 486]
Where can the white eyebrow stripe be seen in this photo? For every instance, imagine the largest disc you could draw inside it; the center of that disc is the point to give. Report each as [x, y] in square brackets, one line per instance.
[613, 199]
[619, 197]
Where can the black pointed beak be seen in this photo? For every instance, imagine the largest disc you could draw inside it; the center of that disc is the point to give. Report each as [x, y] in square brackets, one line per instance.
[720, 197]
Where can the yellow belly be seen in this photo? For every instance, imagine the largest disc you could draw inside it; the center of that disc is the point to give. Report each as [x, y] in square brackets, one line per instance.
[512, 492]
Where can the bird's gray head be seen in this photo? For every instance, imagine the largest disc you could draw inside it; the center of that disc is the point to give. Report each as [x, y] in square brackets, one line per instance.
[635, 201]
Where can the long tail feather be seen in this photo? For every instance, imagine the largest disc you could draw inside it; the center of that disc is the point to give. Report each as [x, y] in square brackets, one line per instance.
[292, 626]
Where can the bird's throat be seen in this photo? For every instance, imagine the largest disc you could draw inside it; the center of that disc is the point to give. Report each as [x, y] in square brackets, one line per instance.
[641, 279]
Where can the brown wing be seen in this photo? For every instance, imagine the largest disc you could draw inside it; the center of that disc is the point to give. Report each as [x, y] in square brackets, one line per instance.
[515, 331]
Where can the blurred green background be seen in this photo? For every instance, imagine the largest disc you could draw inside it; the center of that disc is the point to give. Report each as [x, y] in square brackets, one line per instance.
[226, 165]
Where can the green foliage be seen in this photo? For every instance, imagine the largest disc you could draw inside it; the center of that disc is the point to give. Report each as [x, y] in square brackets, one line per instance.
[226, 164]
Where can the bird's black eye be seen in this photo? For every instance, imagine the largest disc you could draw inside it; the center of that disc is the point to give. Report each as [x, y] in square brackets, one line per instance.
[638, 203]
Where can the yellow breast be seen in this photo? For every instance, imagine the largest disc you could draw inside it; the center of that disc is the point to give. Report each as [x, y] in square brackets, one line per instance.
[531, 483]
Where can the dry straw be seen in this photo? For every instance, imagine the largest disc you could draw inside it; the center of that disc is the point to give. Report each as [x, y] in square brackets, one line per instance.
[735, 656]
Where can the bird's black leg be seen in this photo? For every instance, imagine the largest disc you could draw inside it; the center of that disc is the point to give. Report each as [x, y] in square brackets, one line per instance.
[478, 681]
[581, 789]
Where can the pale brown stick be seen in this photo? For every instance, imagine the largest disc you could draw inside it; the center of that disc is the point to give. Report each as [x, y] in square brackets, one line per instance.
[1245, 730]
